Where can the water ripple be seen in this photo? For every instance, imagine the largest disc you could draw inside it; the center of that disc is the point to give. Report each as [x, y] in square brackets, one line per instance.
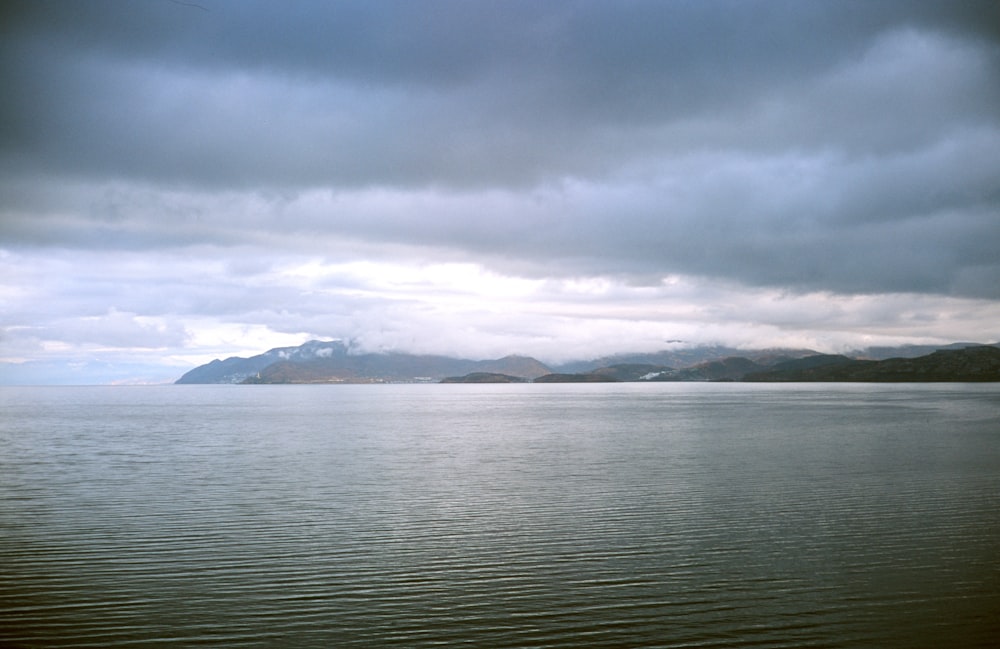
[700, 516]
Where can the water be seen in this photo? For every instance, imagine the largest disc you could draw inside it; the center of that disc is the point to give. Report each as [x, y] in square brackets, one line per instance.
[666, 515]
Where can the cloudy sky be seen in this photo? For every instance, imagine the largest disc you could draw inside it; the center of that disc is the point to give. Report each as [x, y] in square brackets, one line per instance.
[187, 180]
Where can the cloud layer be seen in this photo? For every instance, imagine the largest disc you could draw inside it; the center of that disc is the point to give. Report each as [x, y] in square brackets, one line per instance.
[185, 180]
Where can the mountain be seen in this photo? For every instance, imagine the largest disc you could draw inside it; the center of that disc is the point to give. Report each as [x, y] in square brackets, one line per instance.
[334, 362]
[236, 369]
[588, 377]
[684, 358]
[484, 377]
[981, 363]
[630, 371]
[518, 366]
[391, 367]
[905, 351]
[732, 368]
[613, 374]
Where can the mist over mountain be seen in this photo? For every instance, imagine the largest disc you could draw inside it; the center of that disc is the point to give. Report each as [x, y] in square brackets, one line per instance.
[237, 369]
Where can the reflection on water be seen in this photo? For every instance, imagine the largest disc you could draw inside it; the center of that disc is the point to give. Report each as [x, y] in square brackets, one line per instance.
[673, 515]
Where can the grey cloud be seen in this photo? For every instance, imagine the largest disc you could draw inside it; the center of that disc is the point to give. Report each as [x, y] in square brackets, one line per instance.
[924, 222]
[115, 328]
[448, 93]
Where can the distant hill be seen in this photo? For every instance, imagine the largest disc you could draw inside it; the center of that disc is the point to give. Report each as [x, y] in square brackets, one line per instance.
[589, 377]
[334, 362]
[630, 371]
[906, 351]
[685, 358]
[236, 369]
[980, 363]
[484, 377]
[732, 368]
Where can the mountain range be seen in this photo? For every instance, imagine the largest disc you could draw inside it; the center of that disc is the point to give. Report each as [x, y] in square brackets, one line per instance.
[981, 363]
[336, 362]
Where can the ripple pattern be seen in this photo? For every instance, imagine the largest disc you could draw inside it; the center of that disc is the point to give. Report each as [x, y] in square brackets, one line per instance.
[500, 516]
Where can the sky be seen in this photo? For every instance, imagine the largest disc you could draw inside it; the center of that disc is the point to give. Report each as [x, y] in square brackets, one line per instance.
[189, 180]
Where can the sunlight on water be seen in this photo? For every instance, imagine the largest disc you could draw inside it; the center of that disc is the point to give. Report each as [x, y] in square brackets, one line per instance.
[673, 515]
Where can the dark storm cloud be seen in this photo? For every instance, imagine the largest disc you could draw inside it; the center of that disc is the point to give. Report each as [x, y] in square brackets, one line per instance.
[447, 93]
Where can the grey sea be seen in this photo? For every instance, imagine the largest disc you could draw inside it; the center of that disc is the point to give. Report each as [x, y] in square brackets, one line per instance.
[611, 515]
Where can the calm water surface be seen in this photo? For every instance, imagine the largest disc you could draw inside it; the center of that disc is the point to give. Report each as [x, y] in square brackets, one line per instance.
[664, 515]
